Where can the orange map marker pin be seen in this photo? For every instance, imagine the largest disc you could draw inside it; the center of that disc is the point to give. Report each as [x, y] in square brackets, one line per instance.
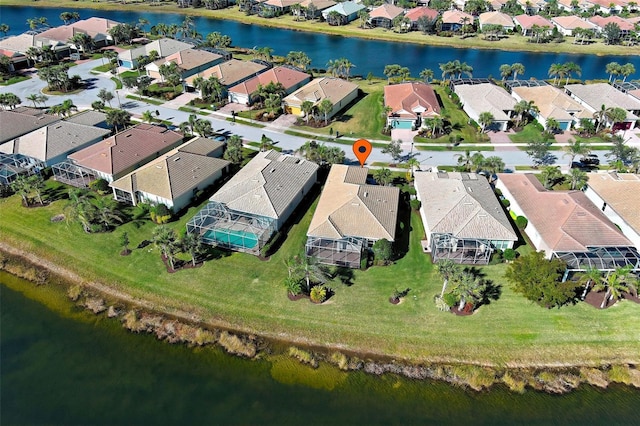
[362, 148]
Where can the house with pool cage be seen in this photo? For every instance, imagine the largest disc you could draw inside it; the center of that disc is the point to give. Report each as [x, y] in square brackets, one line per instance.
[350, 217]
[463, 219]
[566, 225]
[255, 203]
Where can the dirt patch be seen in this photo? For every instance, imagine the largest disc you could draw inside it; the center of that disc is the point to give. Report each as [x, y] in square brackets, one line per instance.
[595, 298]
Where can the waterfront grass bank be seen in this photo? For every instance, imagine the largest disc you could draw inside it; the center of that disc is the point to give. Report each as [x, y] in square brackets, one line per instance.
[241, 292]
[512, 42]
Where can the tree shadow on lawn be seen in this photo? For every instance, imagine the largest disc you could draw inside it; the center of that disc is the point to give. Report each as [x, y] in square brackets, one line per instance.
[52, 194]
[403, 228]
[491, 292]
[345, 275]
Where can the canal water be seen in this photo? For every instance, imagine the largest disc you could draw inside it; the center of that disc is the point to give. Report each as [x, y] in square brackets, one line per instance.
[367, 55]
[63, 366]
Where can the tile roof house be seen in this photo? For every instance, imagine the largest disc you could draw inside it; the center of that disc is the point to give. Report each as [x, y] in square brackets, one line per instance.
[255, 202]
[340, 92]
[350, 217]
[21, 43]
[164, 47]
[418, 12]
[17, 60]
[319, 6]
[496, 18]
[552, 103]
[566, 224]
[566, 24]
[22, 120]
[189, 61]
[174, 178]
[347, 9]
[616, 194]
[453, 20]
[383, 16]
[89, 118]
[462, 217]
[600, 22]
[290, 78]
[51, 144]
[486, 97]
[593, 96]
[527, 23]
[607, 6]
[122, 153]
[410, 103]
[279, 6]
[230, 73]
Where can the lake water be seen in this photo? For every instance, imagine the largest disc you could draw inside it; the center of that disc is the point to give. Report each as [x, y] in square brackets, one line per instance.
[367, 55]
[61, 365]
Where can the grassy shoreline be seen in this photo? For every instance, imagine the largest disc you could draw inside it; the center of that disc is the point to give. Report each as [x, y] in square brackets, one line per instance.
[240, 292]
[513, 43]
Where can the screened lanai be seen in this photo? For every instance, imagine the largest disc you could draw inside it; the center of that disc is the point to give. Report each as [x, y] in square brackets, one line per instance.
[240, 231]
[12, 165]
[346, 251]
[467, 251]
[602, 258]
[72, 174]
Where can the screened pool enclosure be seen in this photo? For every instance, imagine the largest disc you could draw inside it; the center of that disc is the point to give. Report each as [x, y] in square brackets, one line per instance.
[466, 251]
[239, 231]
[345, 252]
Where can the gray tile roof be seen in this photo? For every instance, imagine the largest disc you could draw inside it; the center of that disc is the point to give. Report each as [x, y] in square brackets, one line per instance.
[350, 208]
[486, 97]
[462, 204]
[173, 174]
[22, 120]
[267, 185]
[598, 94]
[201, 146]
[57, 139]
[89, 118]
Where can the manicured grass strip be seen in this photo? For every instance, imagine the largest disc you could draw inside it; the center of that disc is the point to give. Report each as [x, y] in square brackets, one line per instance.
[102, 68]
[147, 100]
[15, 79]
[192, 110]
[247, 123]
[117, 82]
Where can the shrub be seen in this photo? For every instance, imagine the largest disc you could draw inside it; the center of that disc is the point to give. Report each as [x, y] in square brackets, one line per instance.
[303, 356]
[496, 257]
[509, 254]
[498, 192]
[160, 214]
[505, 202]
[415, 204]
[441, 304]
[409, 189]
[318, 294]
[521, 222]
[293, 285]
[101, 186]
[449, 299]
[382, 250]
[513, 214]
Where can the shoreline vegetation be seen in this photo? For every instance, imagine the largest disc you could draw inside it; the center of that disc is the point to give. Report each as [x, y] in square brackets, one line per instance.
[512, 43]
[138, 316]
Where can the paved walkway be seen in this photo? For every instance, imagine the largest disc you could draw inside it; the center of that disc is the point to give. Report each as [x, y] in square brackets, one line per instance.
[502, 140]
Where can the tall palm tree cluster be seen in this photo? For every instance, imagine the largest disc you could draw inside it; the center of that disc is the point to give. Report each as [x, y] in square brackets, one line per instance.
[57, 78]
[321, 154]
[477, 162]
[170, 245]
[566, 70]
[9, 100]
[95, 213]
[340, 68]
[455, 69]
[303, 270]
[614, 69]
[613, 283]
[27, 186]
[466, 286]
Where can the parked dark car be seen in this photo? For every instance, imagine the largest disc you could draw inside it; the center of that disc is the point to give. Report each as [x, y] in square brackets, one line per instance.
[590, 160]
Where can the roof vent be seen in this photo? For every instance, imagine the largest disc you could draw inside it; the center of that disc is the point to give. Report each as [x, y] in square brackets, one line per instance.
[176, 159]
[366, 194]
[128, 135]
[272, 170]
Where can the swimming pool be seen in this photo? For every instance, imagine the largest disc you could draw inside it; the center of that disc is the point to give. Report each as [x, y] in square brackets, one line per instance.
[232, 238]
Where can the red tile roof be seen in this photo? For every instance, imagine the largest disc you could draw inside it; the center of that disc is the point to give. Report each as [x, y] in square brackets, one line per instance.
[417, 12]
[566, 220]
[288, 77]
[527, 21]
[405, 98]
[118, 153]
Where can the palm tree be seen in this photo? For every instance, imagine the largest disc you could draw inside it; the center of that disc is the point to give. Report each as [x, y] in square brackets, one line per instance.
[165, 239]
[34, 97]
[505, 71]
[383, 176]
[493, 164]
[485, 119]
[80, 208]
[465, 160]
[578, 178]
[307, 268]
[571, 68]
[426, 75]
[576, 148]
[413, 164]
[203, 127]
[106, 211]
[447, 270]
[588, 277]
[517, 68]
[22, 186]
[615, 283]
[550, 174]
[148, 116]
[556, 71]
[325, 107]
[612, 68]
[600, 116]
[523, 108]
[105, 96]
[118, 118]
[266, 143]
[626, 70]
[233, 152]
[615, 115]
[307, 108]
[192, 243]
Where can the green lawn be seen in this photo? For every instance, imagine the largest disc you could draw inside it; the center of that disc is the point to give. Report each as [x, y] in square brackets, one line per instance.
[532, 132]
[13, 80]
[244, 292]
